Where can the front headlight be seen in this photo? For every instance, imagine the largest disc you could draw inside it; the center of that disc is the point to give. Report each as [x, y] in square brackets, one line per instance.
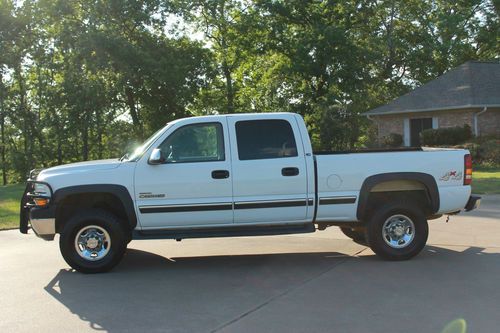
[34, 173]
[42, 190]
[41, 194]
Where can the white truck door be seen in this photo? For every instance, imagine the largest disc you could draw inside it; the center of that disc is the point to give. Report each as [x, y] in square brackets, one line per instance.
[269, 170]
[193, 186]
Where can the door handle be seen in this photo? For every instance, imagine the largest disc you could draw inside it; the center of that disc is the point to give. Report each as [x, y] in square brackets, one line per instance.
[287, 172]
[220, 174]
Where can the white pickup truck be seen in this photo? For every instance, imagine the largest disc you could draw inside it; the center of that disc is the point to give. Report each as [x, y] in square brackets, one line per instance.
[243, 175]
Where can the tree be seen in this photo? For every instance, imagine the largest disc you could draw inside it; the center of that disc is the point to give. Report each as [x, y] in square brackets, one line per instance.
[90, 78]
[224, 25]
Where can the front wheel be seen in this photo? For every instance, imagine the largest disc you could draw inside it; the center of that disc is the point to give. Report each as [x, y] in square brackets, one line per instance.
[93, 241]
[397, 231]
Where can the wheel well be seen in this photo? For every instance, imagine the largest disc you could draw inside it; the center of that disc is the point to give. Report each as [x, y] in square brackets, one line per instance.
[419, 197]
[398, 185]
[74, 202]
[415, 187]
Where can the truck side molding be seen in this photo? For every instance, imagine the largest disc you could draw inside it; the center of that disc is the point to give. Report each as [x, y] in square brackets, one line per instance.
[427, 180]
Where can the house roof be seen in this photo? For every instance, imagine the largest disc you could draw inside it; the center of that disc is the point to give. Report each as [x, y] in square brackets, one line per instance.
[472, 84]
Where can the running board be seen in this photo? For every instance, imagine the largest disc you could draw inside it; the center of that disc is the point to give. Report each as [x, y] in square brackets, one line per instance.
[233, 231]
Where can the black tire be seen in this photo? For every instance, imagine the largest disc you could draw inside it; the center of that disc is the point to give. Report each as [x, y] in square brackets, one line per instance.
[356, 234]
[103, 219]
[399, 210]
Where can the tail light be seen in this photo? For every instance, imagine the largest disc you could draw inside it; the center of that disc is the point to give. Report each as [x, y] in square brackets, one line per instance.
[467, 169]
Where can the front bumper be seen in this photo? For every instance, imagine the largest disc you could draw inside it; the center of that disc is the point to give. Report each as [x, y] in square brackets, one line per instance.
[41, 220]
[473, 203]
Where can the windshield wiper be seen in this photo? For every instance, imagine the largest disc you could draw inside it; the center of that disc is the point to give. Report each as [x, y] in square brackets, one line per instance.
[124, 157]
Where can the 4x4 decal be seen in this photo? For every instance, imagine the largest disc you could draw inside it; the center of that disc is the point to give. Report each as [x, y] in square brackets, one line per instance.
[451, 175]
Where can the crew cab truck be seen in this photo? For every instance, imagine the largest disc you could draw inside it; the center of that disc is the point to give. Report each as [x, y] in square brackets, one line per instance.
[243, 175]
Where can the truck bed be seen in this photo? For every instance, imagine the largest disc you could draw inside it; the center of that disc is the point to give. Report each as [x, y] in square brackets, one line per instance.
[341, 176]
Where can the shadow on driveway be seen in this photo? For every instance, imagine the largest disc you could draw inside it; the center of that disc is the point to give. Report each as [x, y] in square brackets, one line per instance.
[150, 292]
[147, 292]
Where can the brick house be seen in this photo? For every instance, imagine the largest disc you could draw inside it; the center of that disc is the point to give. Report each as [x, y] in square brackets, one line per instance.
[468, 94]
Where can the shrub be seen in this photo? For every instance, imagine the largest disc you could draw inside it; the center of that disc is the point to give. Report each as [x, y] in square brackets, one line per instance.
[490, 152]
[392, 140]
[445, 136]
[472, 147]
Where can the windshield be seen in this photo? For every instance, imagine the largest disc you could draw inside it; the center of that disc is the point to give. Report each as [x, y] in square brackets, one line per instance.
[142, 148]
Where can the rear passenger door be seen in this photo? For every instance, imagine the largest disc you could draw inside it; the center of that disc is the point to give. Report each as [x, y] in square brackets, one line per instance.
[269, 170]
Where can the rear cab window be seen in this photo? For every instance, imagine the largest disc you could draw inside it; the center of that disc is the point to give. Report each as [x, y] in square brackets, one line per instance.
[265, 139]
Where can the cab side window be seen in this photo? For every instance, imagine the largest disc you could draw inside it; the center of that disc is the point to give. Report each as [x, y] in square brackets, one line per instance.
[265, 139]
[195, 143]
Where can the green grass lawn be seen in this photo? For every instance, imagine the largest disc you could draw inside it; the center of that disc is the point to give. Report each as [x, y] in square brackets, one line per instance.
[10, 198]
[486, 180]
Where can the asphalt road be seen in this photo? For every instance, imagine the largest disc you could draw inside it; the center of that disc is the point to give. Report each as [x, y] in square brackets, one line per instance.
[320, 282]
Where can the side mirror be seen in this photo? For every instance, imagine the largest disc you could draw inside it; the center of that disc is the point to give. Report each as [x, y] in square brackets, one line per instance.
[156, 157]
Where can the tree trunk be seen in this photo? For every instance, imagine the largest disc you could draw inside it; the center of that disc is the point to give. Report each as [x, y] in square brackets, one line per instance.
[133, 112]
[37, 130]
[56, 119]
[229, 87]
[59, 151]
[2, 132]
[85, 138]
[26, 119]
[391, 52]
[59, 137]
[100, 147]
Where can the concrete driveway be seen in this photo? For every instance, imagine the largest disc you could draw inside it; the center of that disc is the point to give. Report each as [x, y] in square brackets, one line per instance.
[321, 282]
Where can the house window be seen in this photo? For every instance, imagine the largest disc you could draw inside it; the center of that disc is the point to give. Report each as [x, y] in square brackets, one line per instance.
[417, 126]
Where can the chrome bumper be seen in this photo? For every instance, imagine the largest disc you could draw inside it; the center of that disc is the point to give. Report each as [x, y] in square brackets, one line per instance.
[44, 228]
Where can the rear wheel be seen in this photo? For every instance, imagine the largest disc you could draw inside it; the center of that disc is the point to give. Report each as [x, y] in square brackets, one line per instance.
[397, 231]
[93, 241]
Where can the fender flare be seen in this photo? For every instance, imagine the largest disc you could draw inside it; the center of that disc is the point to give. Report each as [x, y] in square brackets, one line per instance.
[424, 178]
[118, 191]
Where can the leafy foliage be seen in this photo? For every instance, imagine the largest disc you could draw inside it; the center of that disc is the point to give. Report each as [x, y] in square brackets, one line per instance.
[92, 78]
[445, 136]
[490, 152]
[393, 140]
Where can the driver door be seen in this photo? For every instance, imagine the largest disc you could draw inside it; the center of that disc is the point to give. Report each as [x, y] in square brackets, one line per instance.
[193, 187]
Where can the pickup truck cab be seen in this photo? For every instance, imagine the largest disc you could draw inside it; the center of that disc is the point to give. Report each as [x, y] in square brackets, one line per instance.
[243, 175]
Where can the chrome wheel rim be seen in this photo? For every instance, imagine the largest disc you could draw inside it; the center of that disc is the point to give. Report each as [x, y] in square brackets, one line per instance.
[92, 243]
[398, 231]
